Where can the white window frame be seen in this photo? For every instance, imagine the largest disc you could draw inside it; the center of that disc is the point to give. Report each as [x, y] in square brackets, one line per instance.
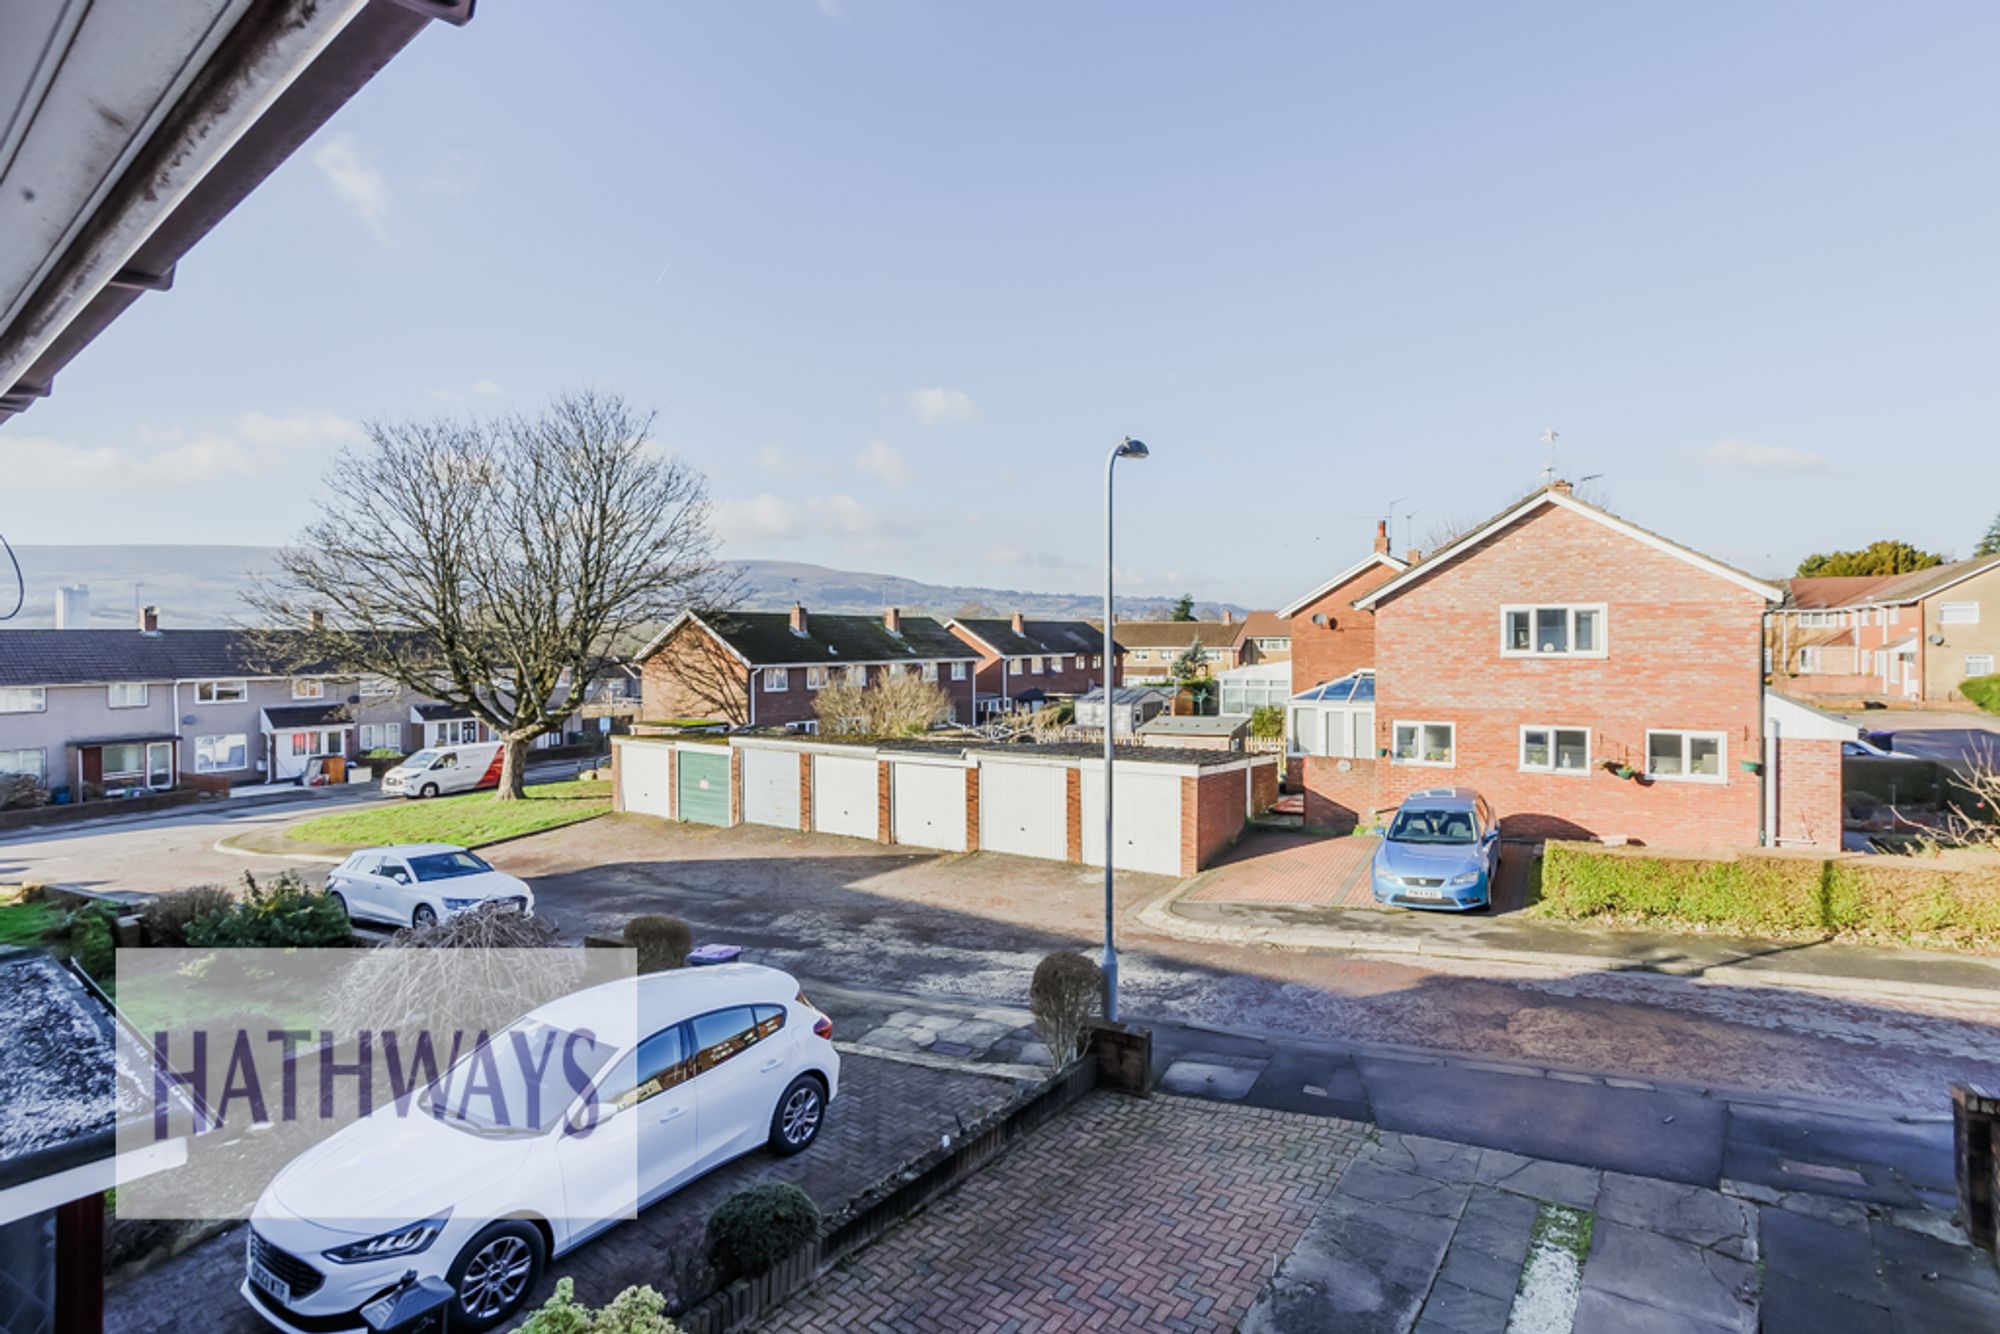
[777, 680]
[815, 678]
[1958, 613]
[1688, 735]
[1552, 767]
[930, 671]
[1808, 659]
[222, 692]
[40, 773]
[308, 688]
[111, 695]
[39, 694]
[375, 687]
[202, 766]
[1971, 658]
[1534, 610]
[1096, 660]
[1018, 666]
[958, 671]
[1035, 666]
[1420, 725]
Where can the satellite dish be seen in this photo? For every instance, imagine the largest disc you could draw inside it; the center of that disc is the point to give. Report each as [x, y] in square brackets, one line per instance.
[1935, 639]
[1319, 618]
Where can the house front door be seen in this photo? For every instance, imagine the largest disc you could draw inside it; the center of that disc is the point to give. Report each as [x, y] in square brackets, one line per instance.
[160, 764]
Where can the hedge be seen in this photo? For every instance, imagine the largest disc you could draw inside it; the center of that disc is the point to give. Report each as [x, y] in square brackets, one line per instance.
[1945, 902]
[1983, 691]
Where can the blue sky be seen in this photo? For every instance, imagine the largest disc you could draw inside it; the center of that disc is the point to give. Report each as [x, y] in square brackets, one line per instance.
[896, 275]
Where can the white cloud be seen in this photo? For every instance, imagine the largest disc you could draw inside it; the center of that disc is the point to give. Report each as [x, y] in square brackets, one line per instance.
[1734, 455]
[764, 517]
[885, 463]
[773, 459]
[260, 443]
[938, 407]
[357, 181]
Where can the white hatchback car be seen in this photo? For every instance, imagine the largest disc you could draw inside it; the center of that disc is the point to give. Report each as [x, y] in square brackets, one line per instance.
[414, 884]
[731, 1058]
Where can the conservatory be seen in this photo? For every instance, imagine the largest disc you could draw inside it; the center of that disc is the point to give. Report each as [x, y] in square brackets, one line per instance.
[1247, 689]
[1335, 718]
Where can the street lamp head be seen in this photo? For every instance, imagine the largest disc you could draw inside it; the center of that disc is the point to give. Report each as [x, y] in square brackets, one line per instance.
[1133, 449]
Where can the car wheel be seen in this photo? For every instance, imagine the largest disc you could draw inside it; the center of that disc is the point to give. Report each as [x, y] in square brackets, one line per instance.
[428, 790]
[425, 915]
[340, 901]
[494, 1274]
[801, 1109]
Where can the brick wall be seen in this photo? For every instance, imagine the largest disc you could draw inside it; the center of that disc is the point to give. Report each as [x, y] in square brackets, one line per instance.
[1073, 809]
[884, 816]
[735, 786]
[1684, 652]
[1810, 805]
[617, 777]
[1339, 798]
[692, 676]
[1322, 653]
[972, 809]
[1216, 800]
[805, 792]
[1263, 788]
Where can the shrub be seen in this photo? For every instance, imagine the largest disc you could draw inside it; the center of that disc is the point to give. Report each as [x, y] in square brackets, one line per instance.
[21, 791]
[88, 935]
[1267, 721]
[1066, 994]
[282, 915]
[633, 1311]
[663, 942]
[1950, 901]
[167, 918]
[1983, 691]
[756, 1228]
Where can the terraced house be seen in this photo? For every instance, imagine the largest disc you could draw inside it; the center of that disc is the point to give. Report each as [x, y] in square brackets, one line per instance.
[1025, 664]
[1904, 639]
[766, 669]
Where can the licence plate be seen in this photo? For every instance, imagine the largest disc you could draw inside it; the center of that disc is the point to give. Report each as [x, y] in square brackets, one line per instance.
[1417, 893]
[270, 1282]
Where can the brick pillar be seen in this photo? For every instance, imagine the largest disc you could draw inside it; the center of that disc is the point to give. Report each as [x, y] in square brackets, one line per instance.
[673, 783]
[1975, 1116]
[805, 792]
[972, 809]
[1190, 826]
[882, 823]
[735, 786]
[1074, 807]
[617, 788]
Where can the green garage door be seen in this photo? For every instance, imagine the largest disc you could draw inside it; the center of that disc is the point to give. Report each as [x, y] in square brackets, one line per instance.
[704, 787]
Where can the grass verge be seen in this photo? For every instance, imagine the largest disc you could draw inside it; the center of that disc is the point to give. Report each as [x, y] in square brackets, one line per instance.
[468, 820]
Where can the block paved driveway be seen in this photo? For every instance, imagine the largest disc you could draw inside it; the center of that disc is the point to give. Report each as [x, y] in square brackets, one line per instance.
[1154, 1214]
[1279, 866]
[889, 1113]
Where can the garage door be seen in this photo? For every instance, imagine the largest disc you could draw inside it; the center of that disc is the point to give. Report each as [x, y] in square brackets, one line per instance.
[844, 796]
[642, 777]
[927, 806]
[1147, 808]
[771, 787]
[1024, 809]
[704, 787]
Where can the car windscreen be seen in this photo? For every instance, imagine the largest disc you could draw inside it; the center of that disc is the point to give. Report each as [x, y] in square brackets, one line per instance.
[1422, 826]
[446, 865]
[421, 760]
[521, 1081]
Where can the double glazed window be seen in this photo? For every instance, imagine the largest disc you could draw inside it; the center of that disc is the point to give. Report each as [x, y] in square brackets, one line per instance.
[958, 671]
[1979, 664]
[1557, 631]
[1958, 613]
[33, 763]
[776, 679]
[1555, 750]
[221, 754]
[306, 688]
[1695, 757]
[1425, 743]
[221, 692]
[126, 695]
[23, 699]
[815, 678]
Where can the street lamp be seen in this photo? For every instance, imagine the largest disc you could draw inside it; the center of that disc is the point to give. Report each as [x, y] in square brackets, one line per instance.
[1128, 448]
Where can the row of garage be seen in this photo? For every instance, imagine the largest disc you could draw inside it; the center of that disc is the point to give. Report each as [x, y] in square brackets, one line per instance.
[1173, 810]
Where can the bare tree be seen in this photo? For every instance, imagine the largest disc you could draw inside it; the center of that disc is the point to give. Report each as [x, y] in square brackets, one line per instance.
[497, 567]
[900, 703]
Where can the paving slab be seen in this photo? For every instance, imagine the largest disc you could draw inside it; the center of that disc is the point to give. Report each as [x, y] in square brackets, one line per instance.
[1831, 1257]
[1675, 1209]
[1600, 1312]
[1673, 1276]
[1561, 1183]
[1792, 1305]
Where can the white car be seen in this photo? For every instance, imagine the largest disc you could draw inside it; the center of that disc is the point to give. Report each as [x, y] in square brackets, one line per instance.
[414, 884]
[732, 1058]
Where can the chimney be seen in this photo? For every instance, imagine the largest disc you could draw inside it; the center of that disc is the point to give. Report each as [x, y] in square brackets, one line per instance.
[73, 607]
[1382, 536]
[1560, 487]
[316, 619]
[149, 620]
[1228, 616]
[892, 621]
[1020, 625]
[1412, 556]
[798, 619]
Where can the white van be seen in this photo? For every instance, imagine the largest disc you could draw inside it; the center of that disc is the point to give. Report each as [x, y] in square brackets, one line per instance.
[440, 769]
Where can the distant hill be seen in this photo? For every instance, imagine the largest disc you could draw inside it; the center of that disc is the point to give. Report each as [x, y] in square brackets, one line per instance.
[204, 586]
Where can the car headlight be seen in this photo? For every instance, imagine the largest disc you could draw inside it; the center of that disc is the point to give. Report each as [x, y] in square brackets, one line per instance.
[403, 1241]
[1466, 878]
[460, 905]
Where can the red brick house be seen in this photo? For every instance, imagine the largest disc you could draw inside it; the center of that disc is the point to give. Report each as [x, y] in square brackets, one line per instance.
[1556, 645]
[765, 669]
[1150, 647]
[1906, 639]
[1330, 638]
[1023, 663]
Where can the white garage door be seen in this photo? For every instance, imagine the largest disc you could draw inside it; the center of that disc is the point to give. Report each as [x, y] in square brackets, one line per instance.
[642, 777]
[1024, 809]
[844, 796]
[1148, 818]
[771, 787]
[927, 805]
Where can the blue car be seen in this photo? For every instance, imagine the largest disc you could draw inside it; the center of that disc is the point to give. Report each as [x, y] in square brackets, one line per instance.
[1439, 852]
